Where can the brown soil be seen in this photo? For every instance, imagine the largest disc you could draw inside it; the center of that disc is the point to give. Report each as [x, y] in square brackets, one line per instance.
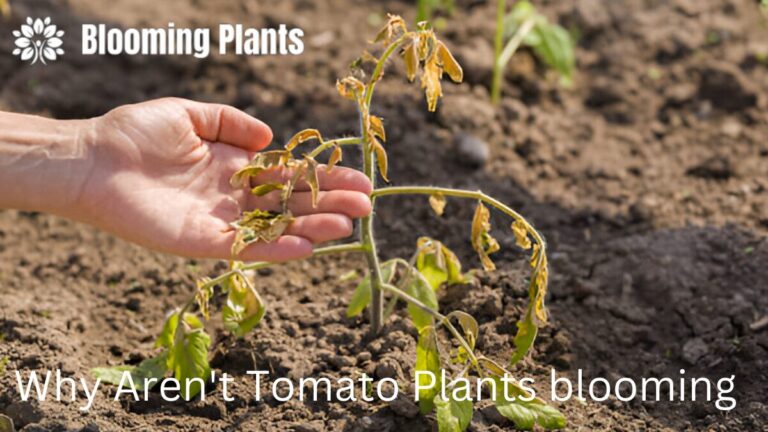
[648, 179]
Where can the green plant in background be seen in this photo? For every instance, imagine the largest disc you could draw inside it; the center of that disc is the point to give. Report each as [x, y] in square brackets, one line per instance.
[425, 8]
[183, 344]
[523, 25]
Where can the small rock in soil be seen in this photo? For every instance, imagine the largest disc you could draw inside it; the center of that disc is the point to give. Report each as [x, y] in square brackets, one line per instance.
[23, 413]
[404, 406]
[466, 112]
[388, 368]
[716, 168]
[471, 151]
[694, 350]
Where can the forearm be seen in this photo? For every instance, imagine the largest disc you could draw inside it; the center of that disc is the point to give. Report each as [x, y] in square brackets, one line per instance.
[43, 162]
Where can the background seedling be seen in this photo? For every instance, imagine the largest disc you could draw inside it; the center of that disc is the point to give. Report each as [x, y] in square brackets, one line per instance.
[183, 344]
[426, 8]
[523, 25]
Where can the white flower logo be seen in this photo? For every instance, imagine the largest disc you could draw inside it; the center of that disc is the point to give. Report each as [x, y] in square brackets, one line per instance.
[38, 40]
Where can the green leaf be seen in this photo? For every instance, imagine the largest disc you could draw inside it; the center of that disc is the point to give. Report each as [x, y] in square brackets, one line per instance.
[452, 415]
[167, 335]
[555, 48]
[154, 367]
[362, 295]
[437, 263]
[421, 290]
[244, 308]
[189, 360]
[526, 334]
[427, 359]
[526, 414]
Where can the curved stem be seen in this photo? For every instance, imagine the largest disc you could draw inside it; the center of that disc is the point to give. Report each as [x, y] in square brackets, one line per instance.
[460, 193]
[376, 75]
[334, 142]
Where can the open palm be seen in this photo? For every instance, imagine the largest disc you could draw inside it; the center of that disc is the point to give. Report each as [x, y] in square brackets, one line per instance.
[161, 173]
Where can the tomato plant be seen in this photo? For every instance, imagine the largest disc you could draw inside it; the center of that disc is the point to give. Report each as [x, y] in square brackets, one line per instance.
[524, 25]
[183, 344]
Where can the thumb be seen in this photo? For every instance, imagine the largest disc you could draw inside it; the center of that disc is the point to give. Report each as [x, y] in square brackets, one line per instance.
[228, 125]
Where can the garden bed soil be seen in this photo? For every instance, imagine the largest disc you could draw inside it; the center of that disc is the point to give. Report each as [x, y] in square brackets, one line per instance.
[648, 179]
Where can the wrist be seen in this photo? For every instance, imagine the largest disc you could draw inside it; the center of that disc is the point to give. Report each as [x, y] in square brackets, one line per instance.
[44, 163]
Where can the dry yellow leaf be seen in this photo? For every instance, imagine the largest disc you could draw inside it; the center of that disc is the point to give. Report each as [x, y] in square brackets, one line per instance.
[335, 158]
[381, 158]
[377, 128]
[310, 175]
[482, 241]
[437, 201]
[449, 63]
[303, 136]
[521, 234]
[411, 58]
[430, 82]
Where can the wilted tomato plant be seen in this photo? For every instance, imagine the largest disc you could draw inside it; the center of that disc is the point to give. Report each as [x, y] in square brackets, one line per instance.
[184, 345]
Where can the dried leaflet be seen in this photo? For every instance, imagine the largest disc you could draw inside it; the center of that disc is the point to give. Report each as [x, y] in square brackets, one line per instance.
[482, 241]
[437, 202]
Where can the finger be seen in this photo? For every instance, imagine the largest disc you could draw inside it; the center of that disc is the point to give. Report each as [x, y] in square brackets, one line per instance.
[339, 178]
[349, 203]
[320, 228]
[285, 248]
[229, 125]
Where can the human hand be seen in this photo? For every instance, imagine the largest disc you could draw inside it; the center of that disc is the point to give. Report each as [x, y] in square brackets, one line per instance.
[160, 178]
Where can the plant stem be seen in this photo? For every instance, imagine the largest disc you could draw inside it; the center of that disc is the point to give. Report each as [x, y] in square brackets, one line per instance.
[334, 142]
[369, 169]
[460, 193]
[498, 44]
[502, 56]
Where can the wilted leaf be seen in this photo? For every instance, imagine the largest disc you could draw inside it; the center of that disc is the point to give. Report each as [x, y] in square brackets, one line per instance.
[203, 296]
[261, 162]
[167, 335]
[437, 202]
[335, 158]
[303, 136]
[524, 414]
[189, 360]
[482, 241]
[526, 334]
[259, 225]
[362, 295]
[411, 58]
[394, 26]
[266, 188]
[449, 63]
[430, 82]
[244, 308]
[381, 158]
[427, 359]
[453, 415]
[420, 289]
[437, 263]
[377, 128]
[154, 367]
[350, 88]
[310, 175]
[521, 234]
